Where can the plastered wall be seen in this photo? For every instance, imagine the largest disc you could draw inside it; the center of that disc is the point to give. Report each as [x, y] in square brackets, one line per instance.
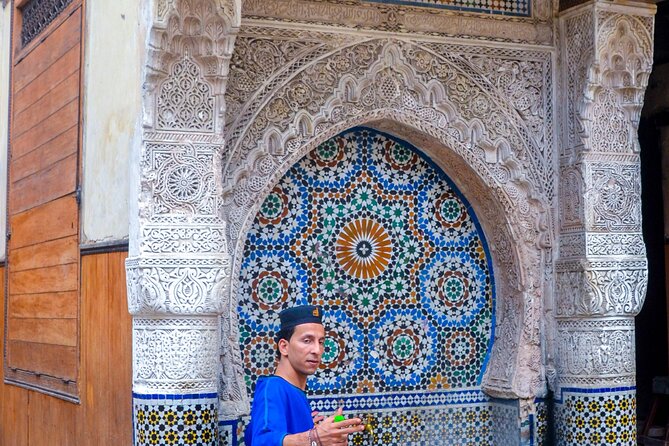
[111, 108]
[5, 23]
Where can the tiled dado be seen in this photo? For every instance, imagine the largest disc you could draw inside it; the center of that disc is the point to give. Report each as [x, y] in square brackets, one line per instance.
[468, 418]
[176, 419]
[596, 417]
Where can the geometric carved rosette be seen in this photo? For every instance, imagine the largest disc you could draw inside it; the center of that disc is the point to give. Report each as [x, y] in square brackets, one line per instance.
[613, 198]
[180, 179]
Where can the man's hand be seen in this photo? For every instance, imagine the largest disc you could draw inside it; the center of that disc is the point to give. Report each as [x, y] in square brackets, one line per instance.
[316, 417]
[333, 433]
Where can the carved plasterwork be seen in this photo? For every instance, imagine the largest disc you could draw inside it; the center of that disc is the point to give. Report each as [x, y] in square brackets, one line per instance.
[176, 355]
[179, 269]
[602, 273]
[407, 19]
[176, 285]
[614, 197]
[596, 351]
[479, 112]
[608, 55]
[602, 245]
[601, 288]
[180, 179]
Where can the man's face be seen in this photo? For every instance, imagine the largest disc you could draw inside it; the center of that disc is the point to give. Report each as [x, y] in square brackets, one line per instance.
[304, 349]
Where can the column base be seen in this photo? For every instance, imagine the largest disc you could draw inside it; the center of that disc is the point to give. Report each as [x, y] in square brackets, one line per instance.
[182, 419]
[600, 416]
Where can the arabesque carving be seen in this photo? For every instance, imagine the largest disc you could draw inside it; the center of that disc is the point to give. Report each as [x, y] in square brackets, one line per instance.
[601, 276]
[179, 269]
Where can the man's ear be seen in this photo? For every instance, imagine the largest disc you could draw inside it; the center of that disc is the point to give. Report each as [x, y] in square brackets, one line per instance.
[283, 347]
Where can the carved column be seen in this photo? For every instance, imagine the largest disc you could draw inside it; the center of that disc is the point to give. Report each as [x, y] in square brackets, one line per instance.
[601, 273]
[178, 267]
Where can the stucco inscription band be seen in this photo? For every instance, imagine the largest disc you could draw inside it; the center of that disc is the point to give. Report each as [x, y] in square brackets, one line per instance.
[542, 148]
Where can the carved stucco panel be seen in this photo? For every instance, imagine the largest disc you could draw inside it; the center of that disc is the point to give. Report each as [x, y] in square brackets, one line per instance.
[608, 64]
[180, 179]
[176, 285]
[183, 239]
[600, 288]
[578, 54]
[407, 20]
[613, 197]
[572, 200]
[176, 354]
[596, 351]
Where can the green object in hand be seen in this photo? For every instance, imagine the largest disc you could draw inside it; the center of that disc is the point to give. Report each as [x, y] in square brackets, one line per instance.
[339, 418]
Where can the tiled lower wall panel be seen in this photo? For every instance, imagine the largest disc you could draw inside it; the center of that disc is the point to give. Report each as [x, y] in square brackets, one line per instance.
[468, 419]
[176, 419]
[596, 417]
[448, 426]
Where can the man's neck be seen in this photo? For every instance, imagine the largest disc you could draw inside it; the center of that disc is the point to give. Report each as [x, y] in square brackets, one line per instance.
[288, 373]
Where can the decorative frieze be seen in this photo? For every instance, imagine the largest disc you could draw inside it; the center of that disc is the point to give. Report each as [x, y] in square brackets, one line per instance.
[183, 239]
[172, 285]
[595, 244]
[402, 19]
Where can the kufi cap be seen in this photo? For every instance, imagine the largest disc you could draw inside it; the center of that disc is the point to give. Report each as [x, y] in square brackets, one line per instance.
[303, 314]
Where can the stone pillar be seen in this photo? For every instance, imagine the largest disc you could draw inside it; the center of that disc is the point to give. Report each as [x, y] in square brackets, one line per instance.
[178, 269]
[601, 273]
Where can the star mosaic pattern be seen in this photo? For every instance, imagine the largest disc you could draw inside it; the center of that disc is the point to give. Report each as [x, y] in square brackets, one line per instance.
[470, 425]
[371, 230]
[504, 7]
[190, 423]
[598, 418]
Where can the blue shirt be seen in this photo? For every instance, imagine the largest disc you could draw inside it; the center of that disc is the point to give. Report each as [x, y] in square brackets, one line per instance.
[279, 409]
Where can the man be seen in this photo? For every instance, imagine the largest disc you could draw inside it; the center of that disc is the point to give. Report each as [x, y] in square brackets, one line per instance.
[280, 415]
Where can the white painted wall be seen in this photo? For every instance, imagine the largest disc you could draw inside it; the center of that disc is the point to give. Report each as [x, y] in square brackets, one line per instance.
[5, 27]
[112, 108]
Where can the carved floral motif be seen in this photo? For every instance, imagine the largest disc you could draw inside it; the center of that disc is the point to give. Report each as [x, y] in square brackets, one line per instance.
[603, 288]
[180, 178]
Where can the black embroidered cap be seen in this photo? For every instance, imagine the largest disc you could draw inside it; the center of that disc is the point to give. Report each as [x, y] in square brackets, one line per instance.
[303, 314]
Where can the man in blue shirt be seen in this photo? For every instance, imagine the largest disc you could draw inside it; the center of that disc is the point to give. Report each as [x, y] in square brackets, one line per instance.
[280, 414]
